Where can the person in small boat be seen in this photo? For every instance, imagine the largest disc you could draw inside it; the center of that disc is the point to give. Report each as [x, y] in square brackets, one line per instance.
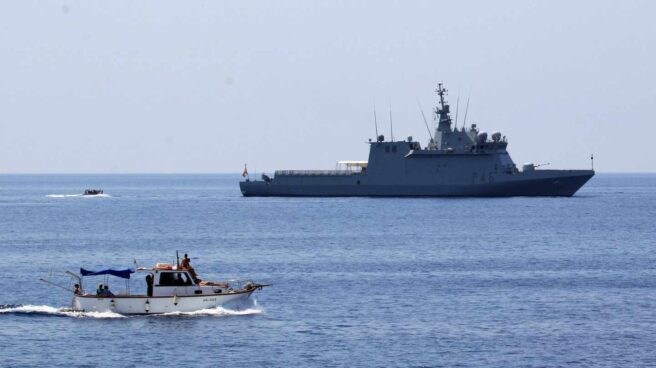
[186, 265]
[100, 290]
[77, 290]
[149, 285]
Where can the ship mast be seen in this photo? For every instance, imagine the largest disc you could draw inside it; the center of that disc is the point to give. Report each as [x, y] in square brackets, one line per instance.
[442, 111]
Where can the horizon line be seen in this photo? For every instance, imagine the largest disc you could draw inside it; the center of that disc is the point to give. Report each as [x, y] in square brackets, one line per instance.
[224, 173]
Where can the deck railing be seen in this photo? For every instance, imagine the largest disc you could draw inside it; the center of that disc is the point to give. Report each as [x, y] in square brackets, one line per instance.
[315, 172]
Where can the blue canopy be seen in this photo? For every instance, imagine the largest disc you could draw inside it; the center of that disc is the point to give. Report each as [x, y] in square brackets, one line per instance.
[125, 273]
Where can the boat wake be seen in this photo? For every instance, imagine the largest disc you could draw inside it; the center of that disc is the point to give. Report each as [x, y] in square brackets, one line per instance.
[78, 195]
[218, 311]
[46, 310]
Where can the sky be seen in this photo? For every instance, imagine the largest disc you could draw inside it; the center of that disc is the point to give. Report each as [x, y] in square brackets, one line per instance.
[207, 86]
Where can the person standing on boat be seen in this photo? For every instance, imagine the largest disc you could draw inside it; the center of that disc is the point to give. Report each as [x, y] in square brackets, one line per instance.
[149, 284]
[99, 291]
[77, 290]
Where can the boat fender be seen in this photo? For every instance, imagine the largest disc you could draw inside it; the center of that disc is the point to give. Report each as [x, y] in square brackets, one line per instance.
[147, 306]
[197, 292]
[175, 300]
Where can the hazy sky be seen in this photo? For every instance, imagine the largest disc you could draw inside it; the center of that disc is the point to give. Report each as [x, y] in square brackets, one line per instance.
[206, 86]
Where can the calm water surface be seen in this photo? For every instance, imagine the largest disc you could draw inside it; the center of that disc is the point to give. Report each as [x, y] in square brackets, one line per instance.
[356, 281]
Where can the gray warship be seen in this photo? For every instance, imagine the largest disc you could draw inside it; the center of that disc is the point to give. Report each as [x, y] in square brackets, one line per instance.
[461, 162]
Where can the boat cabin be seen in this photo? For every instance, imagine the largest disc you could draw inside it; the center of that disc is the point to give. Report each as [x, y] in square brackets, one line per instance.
[169, 280]
[174, 282]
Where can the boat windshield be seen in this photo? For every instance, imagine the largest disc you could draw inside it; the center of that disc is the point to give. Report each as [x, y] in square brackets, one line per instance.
[174, 279]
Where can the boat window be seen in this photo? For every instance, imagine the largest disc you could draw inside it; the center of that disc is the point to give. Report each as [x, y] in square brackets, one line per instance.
[387, 149]
[393, 149]
[174, 279]
[186, 279]
[166, 279]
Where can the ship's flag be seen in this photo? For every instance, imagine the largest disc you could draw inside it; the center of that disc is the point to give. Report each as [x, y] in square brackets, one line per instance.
[245, 173]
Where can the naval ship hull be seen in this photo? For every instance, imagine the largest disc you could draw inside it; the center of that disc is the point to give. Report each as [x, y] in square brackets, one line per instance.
[554, 183]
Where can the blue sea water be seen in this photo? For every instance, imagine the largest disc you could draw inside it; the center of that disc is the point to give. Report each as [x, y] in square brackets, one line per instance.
[370, 282]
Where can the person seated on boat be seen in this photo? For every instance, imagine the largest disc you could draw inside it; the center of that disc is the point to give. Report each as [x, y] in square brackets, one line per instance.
[186, 262]
[106, 292]
[186, 265]
[149, 285]
[183, 279]
[77, 290]
[100, 290]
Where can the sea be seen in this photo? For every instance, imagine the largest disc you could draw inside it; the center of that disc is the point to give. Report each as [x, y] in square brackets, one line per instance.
[356, 282]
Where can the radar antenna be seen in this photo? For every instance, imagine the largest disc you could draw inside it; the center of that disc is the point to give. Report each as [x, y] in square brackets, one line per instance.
[391, 124]
[375, 123]
[457, 106]
[440, 92]
[425, 121]
[464, 123]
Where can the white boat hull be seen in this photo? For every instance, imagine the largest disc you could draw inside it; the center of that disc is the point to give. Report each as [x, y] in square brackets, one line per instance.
[141, 304]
